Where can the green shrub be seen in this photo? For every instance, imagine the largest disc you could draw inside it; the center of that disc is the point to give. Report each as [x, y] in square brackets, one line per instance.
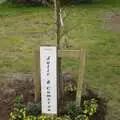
[73, 110]
[70, 88]
[88, 109]
[32, 111]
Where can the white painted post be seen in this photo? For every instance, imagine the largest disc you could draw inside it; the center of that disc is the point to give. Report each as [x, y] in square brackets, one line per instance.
[48, 69]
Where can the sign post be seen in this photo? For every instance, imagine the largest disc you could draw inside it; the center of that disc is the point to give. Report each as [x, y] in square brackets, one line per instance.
[48, 73]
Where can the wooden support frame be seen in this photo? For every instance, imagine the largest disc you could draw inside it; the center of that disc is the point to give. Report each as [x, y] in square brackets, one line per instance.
[74, 54]
[80, 55]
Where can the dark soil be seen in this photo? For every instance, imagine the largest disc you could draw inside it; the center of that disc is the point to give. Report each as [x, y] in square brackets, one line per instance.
[9, 91]
[25, 87]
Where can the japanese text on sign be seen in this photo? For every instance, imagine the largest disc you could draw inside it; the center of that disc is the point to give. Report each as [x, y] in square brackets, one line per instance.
[48, 64]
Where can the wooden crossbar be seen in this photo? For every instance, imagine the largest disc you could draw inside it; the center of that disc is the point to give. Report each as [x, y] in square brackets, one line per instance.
[69, 54]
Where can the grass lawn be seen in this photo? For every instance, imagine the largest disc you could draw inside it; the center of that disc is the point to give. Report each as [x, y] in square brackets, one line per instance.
[23, 29]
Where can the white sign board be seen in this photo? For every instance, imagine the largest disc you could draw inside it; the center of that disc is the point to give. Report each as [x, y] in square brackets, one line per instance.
[48, 68]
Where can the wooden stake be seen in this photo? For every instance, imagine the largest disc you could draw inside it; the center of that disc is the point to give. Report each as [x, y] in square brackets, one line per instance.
[81, 77]
[37, 76]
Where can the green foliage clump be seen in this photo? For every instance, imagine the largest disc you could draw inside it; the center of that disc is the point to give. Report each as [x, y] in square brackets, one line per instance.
[86, 111]
[33, 108]
[25, 112]
[19, 110]
[90, 107]
[32, 111]
[70, 88]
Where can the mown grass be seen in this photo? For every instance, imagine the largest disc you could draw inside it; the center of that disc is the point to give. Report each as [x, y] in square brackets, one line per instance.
[23, 29]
